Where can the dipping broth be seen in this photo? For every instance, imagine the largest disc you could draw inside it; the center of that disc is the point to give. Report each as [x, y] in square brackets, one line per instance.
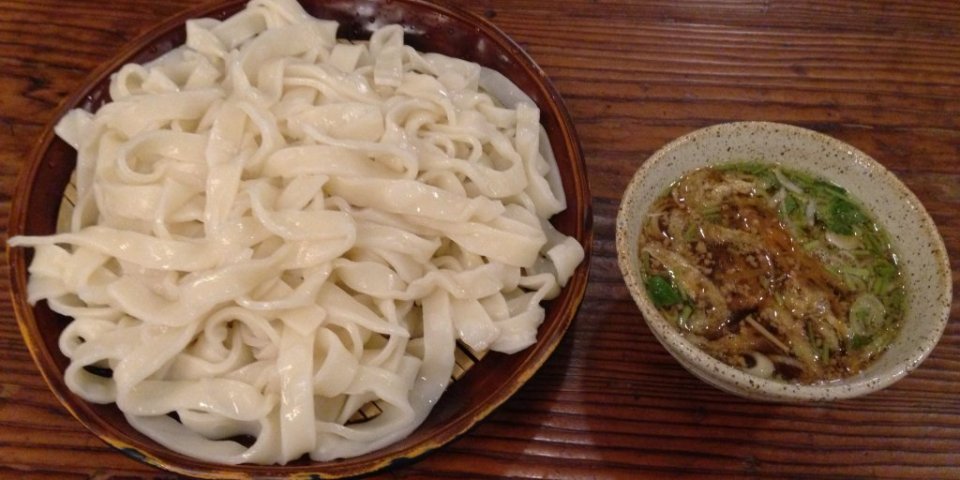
[773, 271]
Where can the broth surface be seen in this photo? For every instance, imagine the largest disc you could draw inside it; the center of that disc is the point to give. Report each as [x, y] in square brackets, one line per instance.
[772, 270]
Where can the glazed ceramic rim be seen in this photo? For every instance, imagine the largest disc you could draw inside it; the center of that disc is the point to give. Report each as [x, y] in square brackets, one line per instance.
[721, 375]
[466, 419]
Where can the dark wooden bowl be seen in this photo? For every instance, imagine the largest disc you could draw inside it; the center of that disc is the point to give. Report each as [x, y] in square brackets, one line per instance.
[487, 385]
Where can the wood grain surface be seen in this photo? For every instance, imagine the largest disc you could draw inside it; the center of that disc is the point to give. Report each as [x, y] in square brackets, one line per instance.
[881, 75]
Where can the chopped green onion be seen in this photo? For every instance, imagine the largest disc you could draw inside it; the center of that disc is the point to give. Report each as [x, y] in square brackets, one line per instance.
[685, 314]
[860, 341]
[790, 206]
[663, 292]
[842, 215]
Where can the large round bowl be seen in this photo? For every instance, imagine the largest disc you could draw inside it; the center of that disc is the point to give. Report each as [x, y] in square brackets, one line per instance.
[914, 237]
[488, 384]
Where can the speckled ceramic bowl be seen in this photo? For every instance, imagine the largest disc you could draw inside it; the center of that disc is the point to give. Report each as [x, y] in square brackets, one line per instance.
[914, 236]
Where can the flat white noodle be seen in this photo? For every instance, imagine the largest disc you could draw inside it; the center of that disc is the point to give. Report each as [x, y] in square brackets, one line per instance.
[274, 229]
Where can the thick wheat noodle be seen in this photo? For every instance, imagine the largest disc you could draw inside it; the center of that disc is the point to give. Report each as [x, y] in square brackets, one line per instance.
[274, 229]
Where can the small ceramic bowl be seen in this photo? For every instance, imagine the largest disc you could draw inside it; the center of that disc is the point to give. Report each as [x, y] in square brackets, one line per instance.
[485, 386]
[913, 234]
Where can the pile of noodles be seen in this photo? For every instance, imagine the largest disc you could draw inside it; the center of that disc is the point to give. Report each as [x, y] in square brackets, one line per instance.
[273, 229]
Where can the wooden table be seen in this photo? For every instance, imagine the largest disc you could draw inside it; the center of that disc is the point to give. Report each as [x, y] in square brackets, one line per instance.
[881, 75]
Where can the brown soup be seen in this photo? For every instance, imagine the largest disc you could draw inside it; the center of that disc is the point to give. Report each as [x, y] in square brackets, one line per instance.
[774, 271]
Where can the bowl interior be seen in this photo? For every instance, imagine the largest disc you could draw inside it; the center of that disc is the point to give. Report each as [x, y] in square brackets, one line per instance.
[914, 238]
[489, 383]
